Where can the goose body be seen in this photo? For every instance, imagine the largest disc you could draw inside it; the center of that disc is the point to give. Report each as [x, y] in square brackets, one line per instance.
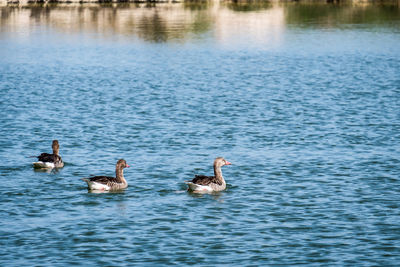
[107, 183]
[207, 184]
[103, 183]
[50, 161]
[43, 165]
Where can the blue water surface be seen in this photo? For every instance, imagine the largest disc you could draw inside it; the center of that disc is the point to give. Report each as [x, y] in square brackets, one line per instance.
[309, 118]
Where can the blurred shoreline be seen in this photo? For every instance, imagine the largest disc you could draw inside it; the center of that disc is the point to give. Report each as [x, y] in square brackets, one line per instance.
[264, 22]
[252, 2]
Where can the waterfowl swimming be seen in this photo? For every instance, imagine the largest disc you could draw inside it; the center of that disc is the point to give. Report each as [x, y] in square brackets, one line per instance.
[204, 184]
[50, 160]
[107, 183]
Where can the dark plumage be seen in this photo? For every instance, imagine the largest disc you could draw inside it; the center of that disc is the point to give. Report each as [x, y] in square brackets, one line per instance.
[203, 183]
[103, 179]
[107, 182]
[46, 157]
[205, 180]
[47, 160]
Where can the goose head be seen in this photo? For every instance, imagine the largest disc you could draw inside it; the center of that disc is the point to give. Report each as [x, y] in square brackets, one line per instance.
[121, 164]
[220, 161]
[55, 146]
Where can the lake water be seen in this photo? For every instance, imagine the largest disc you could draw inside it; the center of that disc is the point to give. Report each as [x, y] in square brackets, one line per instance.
[303, 99]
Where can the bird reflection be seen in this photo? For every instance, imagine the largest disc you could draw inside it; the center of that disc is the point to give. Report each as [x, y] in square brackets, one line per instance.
[122, 191]
[47, 170]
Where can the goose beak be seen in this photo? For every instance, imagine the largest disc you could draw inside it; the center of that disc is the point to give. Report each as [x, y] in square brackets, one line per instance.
[127, 166]
[228, 163]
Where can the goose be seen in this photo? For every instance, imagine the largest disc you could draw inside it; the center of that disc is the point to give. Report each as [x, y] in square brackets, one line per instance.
[50, 160]
[206, 184]
[107, 183]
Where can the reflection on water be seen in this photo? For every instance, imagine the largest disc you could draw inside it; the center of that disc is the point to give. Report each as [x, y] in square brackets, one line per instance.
[330, 15]
[106, 192]
[260, 22]
[246, 6]
[47, 170]
[215, 195]
[312, 123]
[156, 23]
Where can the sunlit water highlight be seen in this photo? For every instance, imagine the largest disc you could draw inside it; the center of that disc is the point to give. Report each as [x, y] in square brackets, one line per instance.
[304, 100]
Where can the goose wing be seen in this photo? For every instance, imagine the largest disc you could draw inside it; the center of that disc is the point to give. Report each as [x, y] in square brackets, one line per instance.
[45, 157]
[205, 180]
[102, 179]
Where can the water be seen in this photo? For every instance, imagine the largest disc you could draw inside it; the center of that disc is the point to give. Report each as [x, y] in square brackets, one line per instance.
[303, 99]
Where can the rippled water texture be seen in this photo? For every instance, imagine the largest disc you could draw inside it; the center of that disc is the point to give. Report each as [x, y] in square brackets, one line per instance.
[303, 99]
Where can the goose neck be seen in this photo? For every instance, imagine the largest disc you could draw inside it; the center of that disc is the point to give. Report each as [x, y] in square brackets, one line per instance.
[119, 174]
[218, 173]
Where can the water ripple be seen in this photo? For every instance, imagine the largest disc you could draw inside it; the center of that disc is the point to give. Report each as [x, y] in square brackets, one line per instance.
[311, 126]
